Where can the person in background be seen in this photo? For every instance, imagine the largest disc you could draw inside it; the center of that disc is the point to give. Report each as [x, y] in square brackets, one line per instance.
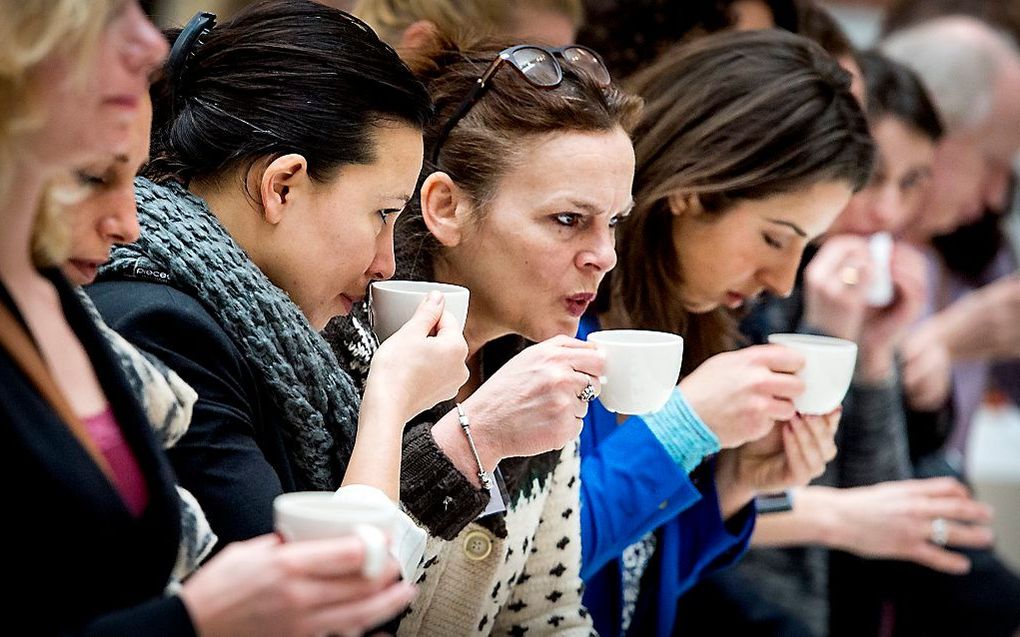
[405, 24]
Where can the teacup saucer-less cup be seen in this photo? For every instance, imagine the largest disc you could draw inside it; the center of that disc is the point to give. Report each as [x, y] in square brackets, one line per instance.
[828, 369]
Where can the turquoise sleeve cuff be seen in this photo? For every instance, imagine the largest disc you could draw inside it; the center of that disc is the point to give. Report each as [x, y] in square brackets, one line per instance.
[682, 433]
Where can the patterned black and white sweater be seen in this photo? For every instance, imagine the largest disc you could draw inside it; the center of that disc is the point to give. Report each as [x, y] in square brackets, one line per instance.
[511, 573]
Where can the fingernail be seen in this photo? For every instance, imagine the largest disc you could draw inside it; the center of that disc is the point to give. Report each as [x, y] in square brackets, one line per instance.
[434, 297]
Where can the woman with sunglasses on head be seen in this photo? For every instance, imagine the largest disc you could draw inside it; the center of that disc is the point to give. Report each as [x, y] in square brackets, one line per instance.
[530, 171]
[261, 228]
[749, 146]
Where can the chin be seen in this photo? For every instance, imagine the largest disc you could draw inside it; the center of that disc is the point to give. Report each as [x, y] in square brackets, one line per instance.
[701, 307]
[565, 327]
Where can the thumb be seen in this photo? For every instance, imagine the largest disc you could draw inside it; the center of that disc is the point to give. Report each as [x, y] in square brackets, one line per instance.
[430, 310]
[449, 325]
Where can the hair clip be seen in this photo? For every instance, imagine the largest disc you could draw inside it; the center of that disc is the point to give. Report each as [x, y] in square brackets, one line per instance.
[184, 49]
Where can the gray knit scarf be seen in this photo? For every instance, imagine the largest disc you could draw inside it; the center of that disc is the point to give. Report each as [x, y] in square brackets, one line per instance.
[182, 244]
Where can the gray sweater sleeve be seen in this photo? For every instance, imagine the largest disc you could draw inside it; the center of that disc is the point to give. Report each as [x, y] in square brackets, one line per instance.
[872, 436]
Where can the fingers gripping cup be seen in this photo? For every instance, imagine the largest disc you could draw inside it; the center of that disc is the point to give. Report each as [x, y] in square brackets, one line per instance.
[394, 302]
[641, 370]
[319, 515]
[827, 372]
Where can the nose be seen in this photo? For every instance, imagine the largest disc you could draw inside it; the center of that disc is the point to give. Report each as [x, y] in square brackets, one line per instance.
[778, 278]
[384, 265]
[121, 225]
[885, 208]
[144, 47]
[601, 254]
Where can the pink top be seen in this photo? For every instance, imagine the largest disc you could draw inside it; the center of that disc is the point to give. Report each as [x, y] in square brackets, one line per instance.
[127, 475]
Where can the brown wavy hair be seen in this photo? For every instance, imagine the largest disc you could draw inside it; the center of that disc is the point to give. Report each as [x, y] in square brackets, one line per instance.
[728, 118]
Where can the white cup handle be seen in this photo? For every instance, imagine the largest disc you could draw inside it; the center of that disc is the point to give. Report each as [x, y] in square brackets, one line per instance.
[376, 550]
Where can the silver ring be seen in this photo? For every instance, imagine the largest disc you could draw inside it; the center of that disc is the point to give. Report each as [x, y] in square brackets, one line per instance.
[588, 394]
[939, 532]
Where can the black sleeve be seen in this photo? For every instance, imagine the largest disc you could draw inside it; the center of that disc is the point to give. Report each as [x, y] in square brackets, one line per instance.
[163, 616]
[219, 459]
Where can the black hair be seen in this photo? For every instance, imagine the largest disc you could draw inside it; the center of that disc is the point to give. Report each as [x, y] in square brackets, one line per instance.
[894, 90]
[282, 76]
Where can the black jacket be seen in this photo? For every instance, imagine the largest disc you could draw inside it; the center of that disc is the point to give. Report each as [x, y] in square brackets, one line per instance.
[76, 560]
[233, 457]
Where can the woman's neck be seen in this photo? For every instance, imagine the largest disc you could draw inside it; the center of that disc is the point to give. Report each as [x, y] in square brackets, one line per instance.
[17, 216]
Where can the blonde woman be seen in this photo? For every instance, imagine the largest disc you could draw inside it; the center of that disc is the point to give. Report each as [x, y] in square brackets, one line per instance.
[93, 518]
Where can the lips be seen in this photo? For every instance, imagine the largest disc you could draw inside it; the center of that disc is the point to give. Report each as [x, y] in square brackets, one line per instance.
[86, 270]
[578, 303]
[734, 300]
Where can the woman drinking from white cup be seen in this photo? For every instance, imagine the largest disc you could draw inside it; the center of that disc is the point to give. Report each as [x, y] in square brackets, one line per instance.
[749, 146]
[279, 171]
[530, 173]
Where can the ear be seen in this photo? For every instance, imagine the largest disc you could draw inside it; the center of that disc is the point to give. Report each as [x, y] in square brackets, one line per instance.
[445, 208]
[418, 34]
[684, 204]
[284, 180]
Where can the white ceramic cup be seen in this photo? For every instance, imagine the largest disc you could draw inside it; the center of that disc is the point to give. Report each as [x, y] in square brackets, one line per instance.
[827, 372]
[394, 303]
[880, 290]
[319, 515]
[641, 370]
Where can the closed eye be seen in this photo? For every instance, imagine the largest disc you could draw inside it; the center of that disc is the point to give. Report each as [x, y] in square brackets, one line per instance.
[771, 241]
[90, 180]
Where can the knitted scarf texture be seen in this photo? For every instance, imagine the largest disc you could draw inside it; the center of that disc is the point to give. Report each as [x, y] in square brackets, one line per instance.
[184, 245]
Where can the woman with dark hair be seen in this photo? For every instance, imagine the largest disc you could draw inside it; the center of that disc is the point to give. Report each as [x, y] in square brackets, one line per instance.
[285, 142]
[875, 512]
[749, 146]
[530, 172]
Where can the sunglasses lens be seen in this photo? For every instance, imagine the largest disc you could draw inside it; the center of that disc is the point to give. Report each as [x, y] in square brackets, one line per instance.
[585, 61]
[537, 65]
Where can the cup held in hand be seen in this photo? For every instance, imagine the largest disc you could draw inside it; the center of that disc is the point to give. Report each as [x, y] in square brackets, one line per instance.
[880, 291]
[642, 368]
[827, 372]
[394, 303]
[319, 515]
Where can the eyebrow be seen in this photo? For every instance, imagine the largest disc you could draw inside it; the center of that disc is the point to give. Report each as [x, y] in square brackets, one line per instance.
[595, 210]
[121, 158]
[788, 224]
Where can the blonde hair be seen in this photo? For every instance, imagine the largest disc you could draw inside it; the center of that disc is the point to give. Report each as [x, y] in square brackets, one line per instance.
[459, 19]
[32, 32]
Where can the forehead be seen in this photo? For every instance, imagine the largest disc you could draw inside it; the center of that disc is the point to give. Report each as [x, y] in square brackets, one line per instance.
[591, 164]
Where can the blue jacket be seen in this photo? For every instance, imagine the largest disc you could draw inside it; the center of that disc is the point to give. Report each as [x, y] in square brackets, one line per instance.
[631, 486]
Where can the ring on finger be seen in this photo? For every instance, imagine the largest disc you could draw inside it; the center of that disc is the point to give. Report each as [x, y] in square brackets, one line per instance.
[939, 532]
[850, 275]
[588, 394]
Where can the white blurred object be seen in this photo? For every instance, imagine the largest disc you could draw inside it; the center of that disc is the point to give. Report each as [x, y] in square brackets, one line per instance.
[993, 469]
[880, 290]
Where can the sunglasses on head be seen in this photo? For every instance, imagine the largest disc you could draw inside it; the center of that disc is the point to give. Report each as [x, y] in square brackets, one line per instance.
[539, 66]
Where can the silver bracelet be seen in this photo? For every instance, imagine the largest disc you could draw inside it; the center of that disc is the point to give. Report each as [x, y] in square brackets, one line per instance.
[465, 424]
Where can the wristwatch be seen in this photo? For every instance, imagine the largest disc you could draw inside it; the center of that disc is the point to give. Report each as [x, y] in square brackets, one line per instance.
[774, 502]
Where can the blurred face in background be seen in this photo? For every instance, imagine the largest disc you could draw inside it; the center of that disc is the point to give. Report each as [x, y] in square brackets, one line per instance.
[898, 185]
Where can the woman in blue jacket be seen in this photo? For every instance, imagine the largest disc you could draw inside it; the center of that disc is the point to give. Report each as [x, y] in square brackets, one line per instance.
[749, 146]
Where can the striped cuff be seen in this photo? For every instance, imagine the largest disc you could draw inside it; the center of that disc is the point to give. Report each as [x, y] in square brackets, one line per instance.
[678, 429]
